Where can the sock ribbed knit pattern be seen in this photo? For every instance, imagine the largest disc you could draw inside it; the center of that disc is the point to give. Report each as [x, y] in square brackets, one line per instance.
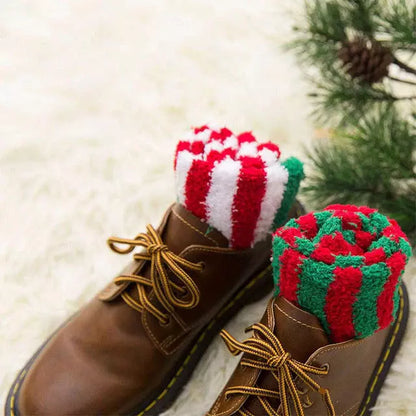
[344, 265]
[237, 185]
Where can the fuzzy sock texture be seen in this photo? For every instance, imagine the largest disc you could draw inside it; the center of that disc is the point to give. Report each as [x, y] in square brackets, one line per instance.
[344, 265]
[236, 184]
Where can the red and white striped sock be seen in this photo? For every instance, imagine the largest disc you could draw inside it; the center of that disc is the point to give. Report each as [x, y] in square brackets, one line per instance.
[233, 182]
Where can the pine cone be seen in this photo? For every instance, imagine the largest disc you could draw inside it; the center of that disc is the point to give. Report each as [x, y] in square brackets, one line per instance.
[366, 60]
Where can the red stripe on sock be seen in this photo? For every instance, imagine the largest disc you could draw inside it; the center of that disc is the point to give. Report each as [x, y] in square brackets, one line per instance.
[308, 225]
[338, 245]
[197, 147]
[246, 137]
[216, 156]
[385, 305]
[324, 255]
[375, 256]
[221, 135]
[364, 239]
[251, 187]
[197, 187]
[199, 129]
[289, 234]
[340, 298]
[180, 148]
[394, 232]
[271, 146]
[340, 209]
[290, 269]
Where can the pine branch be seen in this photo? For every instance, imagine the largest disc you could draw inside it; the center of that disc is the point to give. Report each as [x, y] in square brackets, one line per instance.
[373, 161]
[397, 20]
[325, 20]
[403, 81]
[404, 66]
[410, 98]
[360, 15]
[342, 100]
[372, 165]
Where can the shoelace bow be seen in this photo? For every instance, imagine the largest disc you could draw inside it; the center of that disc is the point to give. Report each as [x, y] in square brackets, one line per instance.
[169, 293]
[267, 353]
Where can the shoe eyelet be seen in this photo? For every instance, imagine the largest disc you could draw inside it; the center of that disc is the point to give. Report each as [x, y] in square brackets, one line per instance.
[307, 402]
[168, 320]
[325, 367]
[202, 264]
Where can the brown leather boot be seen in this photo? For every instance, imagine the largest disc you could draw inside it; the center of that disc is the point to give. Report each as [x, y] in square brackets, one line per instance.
[134, 346]
[289, 366]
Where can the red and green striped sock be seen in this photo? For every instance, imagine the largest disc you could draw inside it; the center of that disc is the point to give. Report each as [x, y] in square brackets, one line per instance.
[344, 265]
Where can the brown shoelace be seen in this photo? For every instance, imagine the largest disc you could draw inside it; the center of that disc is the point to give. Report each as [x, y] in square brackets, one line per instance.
[266, 353]
[181, 294]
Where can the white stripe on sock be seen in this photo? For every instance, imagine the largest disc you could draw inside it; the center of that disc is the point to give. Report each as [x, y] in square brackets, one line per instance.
[231, 142]
[183, 164]
[221, 193]
[268, 156]
[203, 136]
[214, 145]
[248, 149]
[276, 180]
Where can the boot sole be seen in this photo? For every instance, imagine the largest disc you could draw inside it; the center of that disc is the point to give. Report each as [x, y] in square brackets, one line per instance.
[386, 359]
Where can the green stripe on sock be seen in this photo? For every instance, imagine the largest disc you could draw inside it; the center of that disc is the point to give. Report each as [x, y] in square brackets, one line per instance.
[405, 248]
[366, 224]
[379, 221]
[315, 279]
[344, 261]
[330, 226]
[321, 217]
[365, 307]
[292, 224]
[304, 246]
[389, 246]
[296, 174]
[349, 236]
[396, 300]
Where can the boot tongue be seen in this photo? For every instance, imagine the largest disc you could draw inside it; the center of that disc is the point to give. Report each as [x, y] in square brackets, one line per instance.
[183, 229]
[300, 332]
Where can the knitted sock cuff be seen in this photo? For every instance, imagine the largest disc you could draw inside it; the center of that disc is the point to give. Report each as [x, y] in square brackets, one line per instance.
[344, 265]
[237, 185]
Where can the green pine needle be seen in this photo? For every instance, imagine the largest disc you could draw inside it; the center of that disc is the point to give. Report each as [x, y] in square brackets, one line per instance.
[372, 165]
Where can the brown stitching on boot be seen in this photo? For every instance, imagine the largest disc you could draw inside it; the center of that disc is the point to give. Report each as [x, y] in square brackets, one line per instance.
[195, 229]
[386, 355]
[341, 347]
[212, 250]
[16, 387]
[351, 408]
[298, 322]
[238, 404]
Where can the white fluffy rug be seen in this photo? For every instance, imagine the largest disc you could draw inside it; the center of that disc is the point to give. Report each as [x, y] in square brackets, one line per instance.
[93, 97]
